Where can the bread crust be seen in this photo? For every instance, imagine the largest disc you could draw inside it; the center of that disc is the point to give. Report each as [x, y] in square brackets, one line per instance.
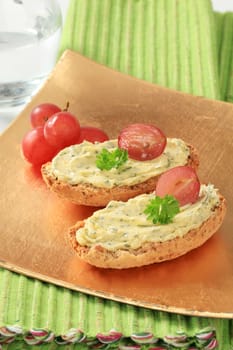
[149, 253]
[87, 194]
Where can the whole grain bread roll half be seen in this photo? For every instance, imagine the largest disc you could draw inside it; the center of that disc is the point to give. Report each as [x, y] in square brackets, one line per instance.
[149, 252]
[86, 193]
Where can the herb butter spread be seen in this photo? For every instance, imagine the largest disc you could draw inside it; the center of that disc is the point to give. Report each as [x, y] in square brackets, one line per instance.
[123, 225]
[77, 164]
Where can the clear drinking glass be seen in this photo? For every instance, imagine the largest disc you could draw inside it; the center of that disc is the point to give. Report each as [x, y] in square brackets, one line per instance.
[29, 39]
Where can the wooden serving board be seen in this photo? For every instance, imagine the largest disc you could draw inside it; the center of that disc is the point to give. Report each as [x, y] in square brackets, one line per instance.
[34, 221]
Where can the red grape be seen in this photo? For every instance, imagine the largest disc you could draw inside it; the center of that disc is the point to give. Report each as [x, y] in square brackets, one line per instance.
[142, 141]
[35, 148]
[62, 130]
[41, 113]
[182, 182]
[92, 134]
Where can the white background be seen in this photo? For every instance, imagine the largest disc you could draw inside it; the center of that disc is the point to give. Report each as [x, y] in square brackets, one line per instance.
[218, 5]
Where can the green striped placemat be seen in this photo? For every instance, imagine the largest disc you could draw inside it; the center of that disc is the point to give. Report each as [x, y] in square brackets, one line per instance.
[180, 44]
[38, 313]
[171, 43]
[225, 49]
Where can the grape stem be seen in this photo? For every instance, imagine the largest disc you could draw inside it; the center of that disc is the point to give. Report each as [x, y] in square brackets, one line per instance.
[66, 107]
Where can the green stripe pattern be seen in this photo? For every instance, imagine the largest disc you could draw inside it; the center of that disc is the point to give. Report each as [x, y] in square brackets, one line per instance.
[225, 45]
[180, 44]
[61, 314]
[167, 42]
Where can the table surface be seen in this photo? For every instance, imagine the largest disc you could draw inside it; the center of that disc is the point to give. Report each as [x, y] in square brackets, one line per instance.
[7, 116]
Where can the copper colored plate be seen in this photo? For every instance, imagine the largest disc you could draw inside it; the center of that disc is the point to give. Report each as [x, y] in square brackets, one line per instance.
[34, 221]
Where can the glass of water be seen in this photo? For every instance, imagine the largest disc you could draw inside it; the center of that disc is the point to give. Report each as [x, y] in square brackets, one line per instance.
[29, 39]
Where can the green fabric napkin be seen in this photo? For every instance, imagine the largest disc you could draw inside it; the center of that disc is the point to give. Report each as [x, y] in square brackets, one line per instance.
[33, 312]
[224, 25]
[171, 43]
[179, 44]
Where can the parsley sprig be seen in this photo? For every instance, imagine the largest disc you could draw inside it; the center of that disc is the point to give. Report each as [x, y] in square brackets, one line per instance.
[162, 209]
[107, 160]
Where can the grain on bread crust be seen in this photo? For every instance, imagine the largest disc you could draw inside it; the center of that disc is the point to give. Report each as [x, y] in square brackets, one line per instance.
[149, 253]
[87, 194]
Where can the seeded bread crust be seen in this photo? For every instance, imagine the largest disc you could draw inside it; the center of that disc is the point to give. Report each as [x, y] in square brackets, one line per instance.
[87, 194]
[149, 253]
